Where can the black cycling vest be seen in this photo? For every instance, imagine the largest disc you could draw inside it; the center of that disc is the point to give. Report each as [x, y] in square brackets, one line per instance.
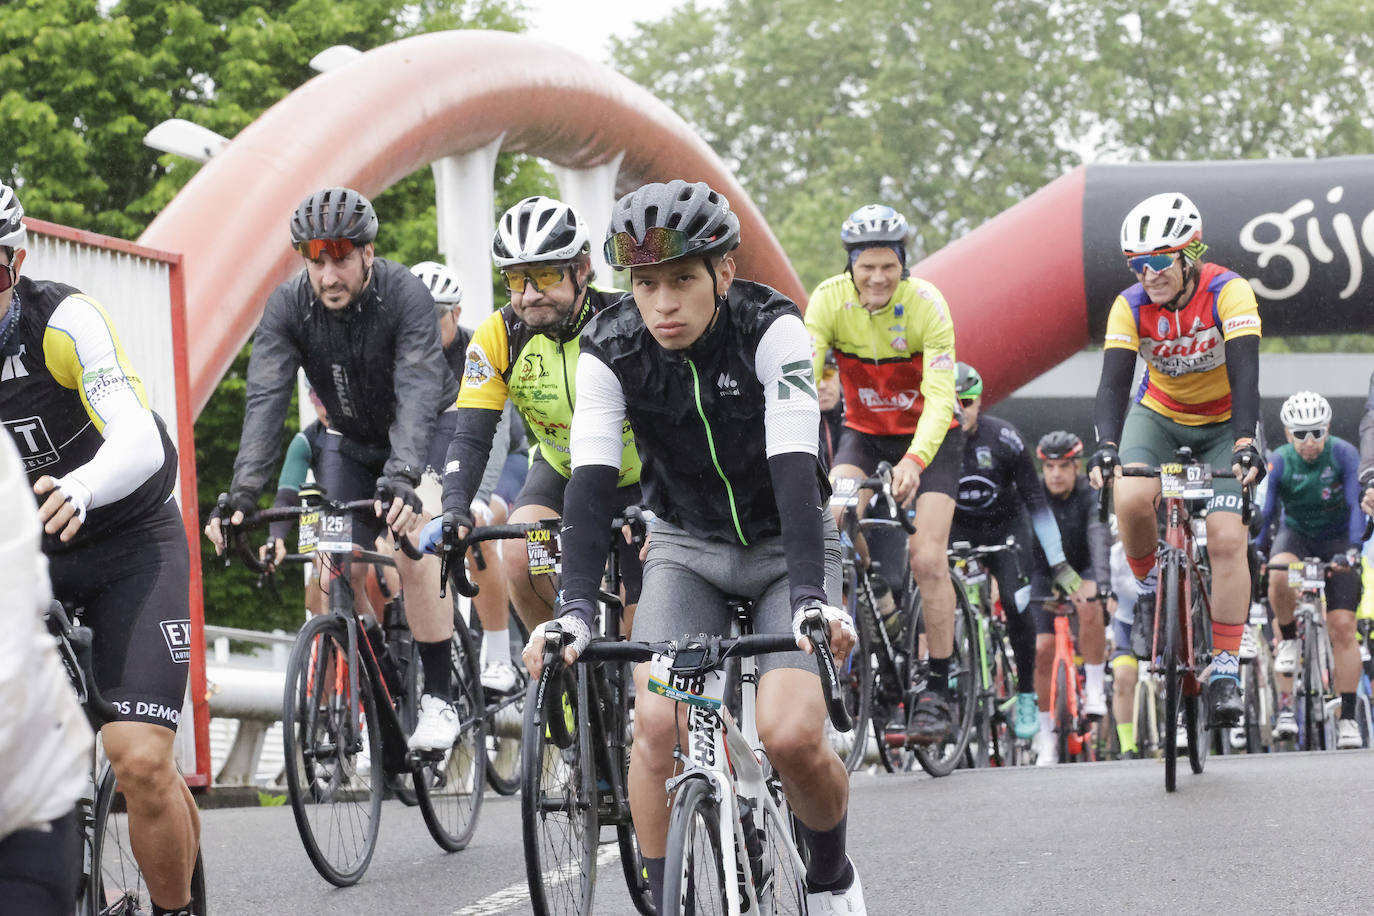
[1076, 514]
[698, 414]
[51, 428]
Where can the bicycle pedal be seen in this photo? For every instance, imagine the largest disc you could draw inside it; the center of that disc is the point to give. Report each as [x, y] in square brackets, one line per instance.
[418, 759]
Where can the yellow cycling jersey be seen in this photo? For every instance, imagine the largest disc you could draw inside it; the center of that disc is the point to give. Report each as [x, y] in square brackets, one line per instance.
[1185, 349]
[538, 373]
[896, 364]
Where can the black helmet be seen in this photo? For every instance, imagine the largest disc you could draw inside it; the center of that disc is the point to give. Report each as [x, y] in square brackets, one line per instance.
[1059, 444]
[967, 382]
[702, 217]
[12, 232]
[334, 213]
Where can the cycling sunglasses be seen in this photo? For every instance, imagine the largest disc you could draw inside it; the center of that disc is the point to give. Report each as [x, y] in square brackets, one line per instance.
[1155, 262]
[1304, 434]
[659, 245]
[542, 277]
[967, 402]
[7, 277]
[337, 248]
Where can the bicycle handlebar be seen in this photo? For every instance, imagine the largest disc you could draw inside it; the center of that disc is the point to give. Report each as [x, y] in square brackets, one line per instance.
[99, 711]
[1247, 510]
[239, 543]
[881, 481]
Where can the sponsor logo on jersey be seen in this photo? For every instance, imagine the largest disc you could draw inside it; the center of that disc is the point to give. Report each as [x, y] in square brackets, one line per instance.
[1162, 327]
[532, 367]
[1240, 322]
[727, 385]
[899, 343]
[1328, 473]
[103, 382]
[1194, 353]
[984, 456]
[1011, 437]
[900, 400]
[35, 445]
[976, 492]
[14, 366]
[796, 379]
[942, 361]
[341, 387]
[477, 369]
[1122, 338]
[178, 636]
[1197, 325]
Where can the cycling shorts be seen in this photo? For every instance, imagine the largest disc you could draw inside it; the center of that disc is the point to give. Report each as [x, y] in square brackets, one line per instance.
[688, 581]
[1011, 569]
[1343, 587]
[132, 589]
[865, 450]
[1121, 640]
[349, 472]
[1151, 438]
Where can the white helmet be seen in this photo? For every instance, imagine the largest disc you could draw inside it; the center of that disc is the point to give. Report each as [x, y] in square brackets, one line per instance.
[538, 229]
[1161, 224]
[12, 232]
[873, 223]
[1305, 410]
[443, 284]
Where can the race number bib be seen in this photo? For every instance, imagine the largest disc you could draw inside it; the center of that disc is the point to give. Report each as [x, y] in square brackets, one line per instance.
[1305, 575]
[1185, 481]
[545, 550]
[308, 532]
[335, 533]
[705, 690]
[845, 493]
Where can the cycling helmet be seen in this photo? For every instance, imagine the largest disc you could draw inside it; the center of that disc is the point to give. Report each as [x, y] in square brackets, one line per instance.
[12, 232]
[1059, 444]
[443, 284]
[703, 216]
[967, 382]
[1305, 410]
[538, 229]
[334, 213]
[1161, 224]
[873, 223]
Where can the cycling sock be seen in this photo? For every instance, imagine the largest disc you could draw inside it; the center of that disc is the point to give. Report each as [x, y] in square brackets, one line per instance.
[1226, 664]
[1347, 706]
[1096, 678]
[1125, 734]
[1046, 722]
[653, 873]
[1021, 631]
[1289, 630]
[939, 673]
[1144, 570]
[436, 658]
[183, 910]
[496, 647]
[1226, 637]
[828, 868]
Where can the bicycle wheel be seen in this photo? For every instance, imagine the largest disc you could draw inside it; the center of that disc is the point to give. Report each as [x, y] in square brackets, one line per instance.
[1146, 715]
[940, 759]
[504, 718]
[1173, 678]
[782, 878]
[616, 704]
[1063, 722]
[694, 871]
[856, 685]
[889, 722]
[558, 797]
[333, 747]
[117, 885]
[1253, 708]
[449, 791]
[1194, 705]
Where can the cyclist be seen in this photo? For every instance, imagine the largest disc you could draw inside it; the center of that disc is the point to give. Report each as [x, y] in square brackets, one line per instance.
[1087, 543]
[893, 340]
[363, 328]
[714, 376]
[103, 467]
[998, 494]
[528, 353]
[1367, 452]
[1197, 327]
[1314, 481]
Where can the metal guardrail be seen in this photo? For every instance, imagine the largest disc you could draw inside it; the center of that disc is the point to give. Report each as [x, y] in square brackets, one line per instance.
[250, 693]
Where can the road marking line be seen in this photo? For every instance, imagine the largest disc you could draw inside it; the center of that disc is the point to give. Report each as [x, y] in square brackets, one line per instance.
[503, 901]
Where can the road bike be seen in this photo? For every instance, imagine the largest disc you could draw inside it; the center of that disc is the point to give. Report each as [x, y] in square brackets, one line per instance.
[1080, 736]
[111, 882]
[351, 701]
[1315, 703]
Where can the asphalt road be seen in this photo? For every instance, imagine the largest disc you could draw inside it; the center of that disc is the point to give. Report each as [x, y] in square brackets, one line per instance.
[1265, 834]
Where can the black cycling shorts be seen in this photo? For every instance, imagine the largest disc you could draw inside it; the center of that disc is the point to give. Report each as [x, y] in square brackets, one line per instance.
[133, 590]
[1342, 586]
[865, 450]
[349, 471]
[1011, 569]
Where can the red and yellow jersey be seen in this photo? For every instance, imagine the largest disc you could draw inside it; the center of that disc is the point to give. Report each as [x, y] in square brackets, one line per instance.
[896, 364]
[1185, 350]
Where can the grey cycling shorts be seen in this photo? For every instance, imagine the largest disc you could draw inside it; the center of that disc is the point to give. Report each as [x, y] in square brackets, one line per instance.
[688, 581]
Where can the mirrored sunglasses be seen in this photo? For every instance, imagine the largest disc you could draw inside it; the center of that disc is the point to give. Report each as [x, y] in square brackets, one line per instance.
[337, 248]
[542, 277]
[1302, 434]
[7, 277]
[1155, 262]
[659, 245]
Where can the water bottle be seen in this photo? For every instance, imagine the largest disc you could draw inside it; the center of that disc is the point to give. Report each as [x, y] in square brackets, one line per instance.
[887, 607]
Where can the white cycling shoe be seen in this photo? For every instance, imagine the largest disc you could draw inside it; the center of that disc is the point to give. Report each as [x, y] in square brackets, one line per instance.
[848, 902]
[437, 728]
[1286, 724]
[500, 677]
[1286, 657]
[1095, 703]
[1046, 748]
[1348, 735]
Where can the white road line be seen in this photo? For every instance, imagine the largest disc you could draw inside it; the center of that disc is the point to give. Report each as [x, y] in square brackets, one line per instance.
[503, 901]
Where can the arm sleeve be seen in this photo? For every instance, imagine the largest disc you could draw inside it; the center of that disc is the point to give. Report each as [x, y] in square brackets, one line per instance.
[1349, 460]
[1113, 394]
[1242, 371]
[271, 375]
[1271, 502]
[599, 415]
[83, 352]
[1033, 495]
[798, 494]
[467, 455]
[937, 379]
[782, 362]
[1367, 434]
[588, 504]
[418, 380]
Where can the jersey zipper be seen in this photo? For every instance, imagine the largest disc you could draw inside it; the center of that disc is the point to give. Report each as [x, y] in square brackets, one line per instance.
[711, 447]
[567, 389]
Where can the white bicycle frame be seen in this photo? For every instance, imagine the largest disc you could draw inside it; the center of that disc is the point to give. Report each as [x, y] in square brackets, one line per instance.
[731, 762]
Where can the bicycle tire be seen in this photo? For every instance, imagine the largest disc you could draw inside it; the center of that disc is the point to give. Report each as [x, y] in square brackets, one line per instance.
[317, 791]
[1253, 707]
[782, 885]
[941, 759]
[450, 792]
[114, 870]
[893, 753]
[408, 714]
[1194, 705]
[856, 685]
[1146, 720]
[694, 870]
[1173, 678]
[617, 677]
[1313, 730]
[504, 719]
[557, 784]
[1063, 723]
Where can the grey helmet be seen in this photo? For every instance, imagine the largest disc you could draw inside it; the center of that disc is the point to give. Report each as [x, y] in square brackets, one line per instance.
[334, 213]
[12, 232]
[539, 229]
[703, 216]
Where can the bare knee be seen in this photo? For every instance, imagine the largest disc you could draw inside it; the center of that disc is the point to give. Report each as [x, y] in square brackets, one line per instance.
[929, 563]
[143, 770]
[792, 735]
[656, 733]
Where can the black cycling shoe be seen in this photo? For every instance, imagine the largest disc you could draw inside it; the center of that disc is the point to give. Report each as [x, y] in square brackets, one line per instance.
[1143, 626]
[1225, 705]
[931, 721]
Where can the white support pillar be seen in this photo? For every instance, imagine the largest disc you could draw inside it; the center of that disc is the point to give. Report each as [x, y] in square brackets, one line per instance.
[591, 192]
[465, 198]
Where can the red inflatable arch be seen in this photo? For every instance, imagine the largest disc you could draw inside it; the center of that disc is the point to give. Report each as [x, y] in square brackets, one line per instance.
[399, 107]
